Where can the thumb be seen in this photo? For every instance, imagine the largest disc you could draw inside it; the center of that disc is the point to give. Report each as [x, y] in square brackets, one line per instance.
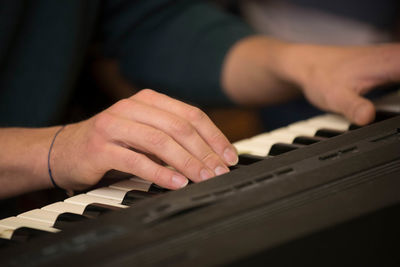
[356, 108]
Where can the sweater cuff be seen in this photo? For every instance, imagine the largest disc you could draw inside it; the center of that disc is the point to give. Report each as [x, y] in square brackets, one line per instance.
[205, 62]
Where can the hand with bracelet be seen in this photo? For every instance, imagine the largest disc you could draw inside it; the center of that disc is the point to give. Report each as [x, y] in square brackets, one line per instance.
[125, 137]
[137, 134]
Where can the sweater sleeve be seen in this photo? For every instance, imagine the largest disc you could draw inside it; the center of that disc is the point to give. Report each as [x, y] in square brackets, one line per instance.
[175, 47]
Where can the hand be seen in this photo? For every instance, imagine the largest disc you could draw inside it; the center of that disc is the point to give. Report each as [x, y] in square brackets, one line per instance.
[131, 133]
[335, 78]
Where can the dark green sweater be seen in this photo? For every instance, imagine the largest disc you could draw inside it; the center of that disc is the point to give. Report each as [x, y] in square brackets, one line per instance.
[173, 46]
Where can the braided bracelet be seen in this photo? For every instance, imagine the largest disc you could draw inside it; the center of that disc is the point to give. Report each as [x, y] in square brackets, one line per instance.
[48, 158]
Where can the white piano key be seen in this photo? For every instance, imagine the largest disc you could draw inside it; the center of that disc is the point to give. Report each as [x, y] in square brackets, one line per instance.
[6, 232]
[304, 128]
[62, 207]
[129, 184]
[287, 137]
[17, 222]
[283, 135]
[330, 121]
[263, 147]
[84, 200]
[41, 216]
[107, 192]
[252, 148]
[267, 134]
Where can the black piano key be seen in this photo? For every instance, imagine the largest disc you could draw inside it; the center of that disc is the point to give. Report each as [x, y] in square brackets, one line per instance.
[307, 140]
[96, 209]
[236, 167]
[157, 189]
[328, 133]
[134, 196]
[247, 159]
[66, 219]
[354, 127]
[280, 148]
[24, 234]
[381, 115]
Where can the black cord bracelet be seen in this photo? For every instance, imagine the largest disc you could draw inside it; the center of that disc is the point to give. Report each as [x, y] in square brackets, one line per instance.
[48, 158]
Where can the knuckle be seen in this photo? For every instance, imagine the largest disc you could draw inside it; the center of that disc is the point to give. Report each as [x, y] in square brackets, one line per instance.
[189, 163]
[210, 156]
[182, 127]
[159, 175]
[196, 114]
[102, 122]
[157, 138]
[122, 104]
[145, 94]
[217, 137]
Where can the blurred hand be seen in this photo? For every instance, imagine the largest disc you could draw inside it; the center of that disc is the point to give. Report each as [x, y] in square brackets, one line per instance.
[335, 78]
[136, 135]
[262, 70]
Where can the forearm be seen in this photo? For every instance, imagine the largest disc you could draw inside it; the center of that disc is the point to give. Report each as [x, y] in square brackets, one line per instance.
[23, 160]
[257, 70]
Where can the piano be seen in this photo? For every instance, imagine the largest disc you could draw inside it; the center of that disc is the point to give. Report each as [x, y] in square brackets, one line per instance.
[317, 192]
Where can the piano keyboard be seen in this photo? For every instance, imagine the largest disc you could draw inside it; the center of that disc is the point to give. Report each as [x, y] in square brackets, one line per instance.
[55, 217]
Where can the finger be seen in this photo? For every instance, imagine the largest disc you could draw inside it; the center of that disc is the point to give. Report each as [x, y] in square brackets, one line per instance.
[125, 160]
[154, 141]
[353, 106]
[178, 128]
[200, 121]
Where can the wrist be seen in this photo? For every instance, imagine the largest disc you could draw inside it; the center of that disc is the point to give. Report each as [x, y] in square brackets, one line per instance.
[255, 71]
[49, 157]
[23, 160]
[295, 64]
[302, 63]
[38, 153]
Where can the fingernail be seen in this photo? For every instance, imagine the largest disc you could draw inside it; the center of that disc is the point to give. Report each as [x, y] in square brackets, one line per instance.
[231, 156]
[221, 170]
[178, 181]
[205, 174]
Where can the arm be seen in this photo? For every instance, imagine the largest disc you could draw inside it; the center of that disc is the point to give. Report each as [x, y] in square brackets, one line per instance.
[125, 137]
[190, 50]
[23, 161]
